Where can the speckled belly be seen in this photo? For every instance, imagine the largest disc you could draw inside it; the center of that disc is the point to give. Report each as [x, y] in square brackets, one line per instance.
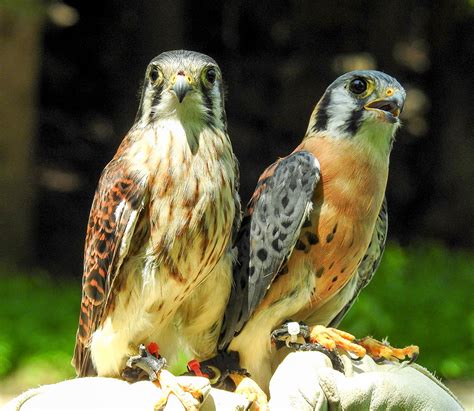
[186, 253]
[332, 247]
[325, 258]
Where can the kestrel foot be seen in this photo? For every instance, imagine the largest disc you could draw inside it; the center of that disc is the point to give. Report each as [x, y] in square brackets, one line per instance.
[133, 375]
[217, 369]
[224, 372]
[332, 339]
[382, 350]
[147, 362]
[150, 362]
[290, 333]
[250, 390]
[326, 340]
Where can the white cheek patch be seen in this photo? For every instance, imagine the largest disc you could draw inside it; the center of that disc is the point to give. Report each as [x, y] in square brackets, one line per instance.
[339, 112]
[166, 106]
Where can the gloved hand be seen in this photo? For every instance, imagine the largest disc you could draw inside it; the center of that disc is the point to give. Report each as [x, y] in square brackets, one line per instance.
[307, 381]
[99, 393]
[304, 381]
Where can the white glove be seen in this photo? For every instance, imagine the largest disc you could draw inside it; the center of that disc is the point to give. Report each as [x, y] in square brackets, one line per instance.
[98, 393]
[306, 381]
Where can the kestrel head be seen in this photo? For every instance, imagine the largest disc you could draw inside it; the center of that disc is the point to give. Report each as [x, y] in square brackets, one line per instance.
[363, 105]
[183, 84]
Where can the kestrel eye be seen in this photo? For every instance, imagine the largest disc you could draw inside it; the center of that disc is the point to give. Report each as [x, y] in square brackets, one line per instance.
[155, 75]
[358, 86]
[211, 75]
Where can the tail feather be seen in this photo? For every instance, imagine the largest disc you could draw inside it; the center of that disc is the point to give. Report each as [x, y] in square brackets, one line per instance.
[82, 361]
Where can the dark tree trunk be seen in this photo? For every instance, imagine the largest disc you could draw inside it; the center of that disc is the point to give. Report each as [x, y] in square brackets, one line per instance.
[20, 45]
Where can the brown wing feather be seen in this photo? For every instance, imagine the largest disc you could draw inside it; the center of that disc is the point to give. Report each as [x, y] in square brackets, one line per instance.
[118, 200]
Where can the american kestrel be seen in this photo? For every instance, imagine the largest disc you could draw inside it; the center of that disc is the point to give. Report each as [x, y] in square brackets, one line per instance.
[161, 224]
[315, 228]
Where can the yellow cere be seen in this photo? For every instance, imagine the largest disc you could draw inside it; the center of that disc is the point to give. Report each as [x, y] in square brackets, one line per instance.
[188, 78]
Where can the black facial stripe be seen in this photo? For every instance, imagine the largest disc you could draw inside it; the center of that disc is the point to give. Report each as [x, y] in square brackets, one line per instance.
[223, 98]
[353, 125]
[140, 106]
[209, 105]
[155, 100]
[156, 96]
[322, 117]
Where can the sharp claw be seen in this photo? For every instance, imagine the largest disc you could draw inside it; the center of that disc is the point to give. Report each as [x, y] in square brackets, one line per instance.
[250, 390]
[413, 358]
[381, 351]
[356, 358]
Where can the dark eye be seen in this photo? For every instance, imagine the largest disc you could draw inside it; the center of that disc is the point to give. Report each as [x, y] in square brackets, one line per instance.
[358, 86]
[154, 74]
[211, 75]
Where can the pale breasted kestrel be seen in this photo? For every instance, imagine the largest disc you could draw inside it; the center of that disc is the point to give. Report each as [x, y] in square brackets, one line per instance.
[161, 224]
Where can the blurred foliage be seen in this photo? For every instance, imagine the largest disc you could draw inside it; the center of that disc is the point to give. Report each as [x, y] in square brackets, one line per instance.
[420, 295]
[38, 317]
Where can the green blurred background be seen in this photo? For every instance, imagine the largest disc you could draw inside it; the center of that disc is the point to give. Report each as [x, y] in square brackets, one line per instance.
[69, 77]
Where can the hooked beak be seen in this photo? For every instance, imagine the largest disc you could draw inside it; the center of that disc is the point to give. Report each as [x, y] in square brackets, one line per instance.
[181, 87]
[390, 106]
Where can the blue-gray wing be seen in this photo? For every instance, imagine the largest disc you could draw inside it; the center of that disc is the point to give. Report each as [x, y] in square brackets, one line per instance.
[269, 231]
[370, 262]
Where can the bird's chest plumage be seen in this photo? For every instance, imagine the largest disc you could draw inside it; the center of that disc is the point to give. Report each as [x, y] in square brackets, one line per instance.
[346, 205]
[186, 227]
[333, 242]
[182, 232]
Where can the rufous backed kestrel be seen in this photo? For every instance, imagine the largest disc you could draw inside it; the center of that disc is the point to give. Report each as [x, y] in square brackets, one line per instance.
[315, 228]
[161, 224]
